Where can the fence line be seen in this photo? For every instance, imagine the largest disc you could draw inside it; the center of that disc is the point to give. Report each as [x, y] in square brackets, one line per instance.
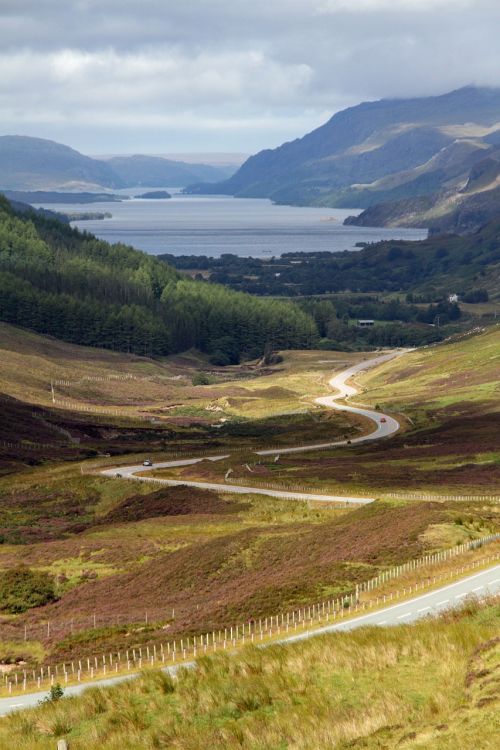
[114, 377]
[335, 490]
[252, 632]
[429, 496]
[282, 488]
[433, 559]
[34, 446]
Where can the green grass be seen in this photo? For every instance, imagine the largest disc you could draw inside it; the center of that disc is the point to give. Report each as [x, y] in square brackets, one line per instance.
[14, 652]
[461, 374]
[433, 684]
[447, 397]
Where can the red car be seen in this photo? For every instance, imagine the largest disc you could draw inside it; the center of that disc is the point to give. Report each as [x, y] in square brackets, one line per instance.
[383, 419]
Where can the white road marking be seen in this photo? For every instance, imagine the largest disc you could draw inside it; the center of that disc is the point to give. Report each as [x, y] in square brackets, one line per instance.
[459, 596]
[445, 601]
[423, 609]
[407, 614]
[478, 588]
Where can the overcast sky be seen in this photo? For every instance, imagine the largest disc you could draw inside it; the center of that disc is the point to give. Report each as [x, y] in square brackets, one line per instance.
[163, 76]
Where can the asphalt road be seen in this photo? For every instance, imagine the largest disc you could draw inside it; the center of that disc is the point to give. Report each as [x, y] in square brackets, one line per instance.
[480, 584]
[385, 426]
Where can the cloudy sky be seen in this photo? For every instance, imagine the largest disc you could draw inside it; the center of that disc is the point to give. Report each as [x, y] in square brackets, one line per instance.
[163, 76]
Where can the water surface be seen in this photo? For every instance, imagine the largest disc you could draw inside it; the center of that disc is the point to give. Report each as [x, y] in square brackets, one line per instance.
[213, 225]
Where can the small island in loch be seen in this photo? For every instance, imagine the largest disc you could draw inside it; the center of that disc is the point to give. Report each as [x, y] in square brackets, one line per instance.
[154, 195]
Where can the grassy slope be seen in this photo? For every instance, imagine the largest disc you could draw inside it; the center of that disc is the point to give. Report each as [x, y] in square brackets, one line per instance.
[30, 361]
[249, 558]
[215, 561]
[459, 377]
[99, 410]
[159, 387]
[448, 396]
[434, 684]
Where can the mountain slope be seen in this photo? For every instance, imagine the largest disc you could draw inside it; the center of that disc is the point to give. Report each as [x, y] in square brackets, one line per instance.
[457, 211]
[35, 163]
[338, 163]
[154, 171]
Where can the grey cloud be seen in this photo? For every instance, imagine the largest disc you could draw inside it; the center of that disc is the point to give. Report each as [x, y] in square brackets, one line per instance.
[164, 74]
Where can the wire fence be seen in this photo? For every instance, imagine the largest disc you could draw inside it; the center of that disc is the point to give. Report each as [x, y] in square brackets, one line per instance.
[254, 630]
[311, 490]
[335, 491]
[429, 496]
[264, 630]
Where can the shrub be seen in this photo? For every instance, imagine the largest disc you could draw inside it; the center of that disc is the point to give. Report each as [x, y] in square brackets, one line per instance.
[22, 588]
[201, 378]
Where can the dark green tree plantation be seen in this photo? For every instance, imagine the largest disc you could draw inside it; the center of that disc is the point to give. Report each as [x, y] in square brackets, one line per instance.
[59, 281]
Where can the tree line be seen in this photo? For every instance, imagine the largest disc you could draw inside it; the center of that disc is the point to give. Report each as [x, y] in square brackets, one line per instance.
[59, 281]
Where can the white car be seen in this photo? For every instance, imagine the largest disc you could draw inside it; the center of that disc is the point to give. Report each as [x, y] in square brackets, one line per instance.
[147, 463]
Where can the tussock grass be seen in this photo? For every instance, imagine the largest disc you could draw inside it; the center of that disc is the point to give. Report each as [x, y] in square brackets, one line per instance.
[425, 685]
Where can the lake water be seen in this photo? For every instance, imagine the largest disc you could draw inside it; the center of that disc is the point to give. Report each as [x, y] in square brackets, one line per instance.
[213, 225]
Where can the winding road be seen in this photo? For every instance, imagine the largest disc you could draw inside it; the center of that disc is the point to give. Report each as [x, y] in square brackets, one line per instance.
[385, 426]
[480, 584]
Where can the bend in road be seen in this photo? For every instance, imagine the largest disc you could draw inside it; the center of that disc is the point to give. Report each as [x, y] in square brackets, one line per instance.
[385, 426]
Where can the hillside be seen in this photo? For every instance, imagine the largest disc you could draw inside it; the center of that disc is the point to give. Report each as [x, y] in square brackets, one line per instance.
[31, 164]
[56, 280]
[35, 163]
[369, 689]
[154, 171]
[458, 211]
[459, 377]
[376, 151]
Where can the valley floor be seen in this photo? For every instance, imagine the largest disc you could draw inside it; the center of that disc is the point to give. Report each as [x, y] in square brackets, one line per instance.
[132, 562]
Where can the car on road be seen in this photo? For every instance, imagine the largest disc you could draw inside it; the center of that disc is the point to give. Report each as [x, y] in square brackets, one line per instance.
[118, 476]
[383, 419]
[147, 463]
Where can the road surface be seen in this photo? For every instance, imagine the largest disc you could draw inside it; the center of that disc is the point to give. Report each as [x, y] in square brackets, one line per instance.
[385, 426]
[481, 584]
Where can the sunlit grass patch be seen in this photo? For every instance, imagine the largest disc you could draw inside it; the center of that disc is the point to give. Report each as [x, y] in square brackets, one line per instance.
[367, 689]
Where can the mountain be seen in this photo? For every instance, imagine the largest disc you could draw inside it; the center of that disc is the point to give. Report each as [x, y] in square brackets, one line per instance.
[35, 163]
[30, 164]
[154, 171]
[376, 151]
[460, 210]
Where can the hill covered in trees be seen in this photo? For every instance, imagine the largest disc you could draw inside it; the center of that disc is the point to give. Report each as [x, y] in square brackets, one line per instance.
[59, 281]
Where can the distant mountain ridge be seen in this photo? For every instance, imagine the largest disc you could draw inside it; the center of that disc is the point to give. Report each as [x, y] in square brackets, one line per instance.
[377, 151]
[29, 164]
[35, 163]
[155, 171]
